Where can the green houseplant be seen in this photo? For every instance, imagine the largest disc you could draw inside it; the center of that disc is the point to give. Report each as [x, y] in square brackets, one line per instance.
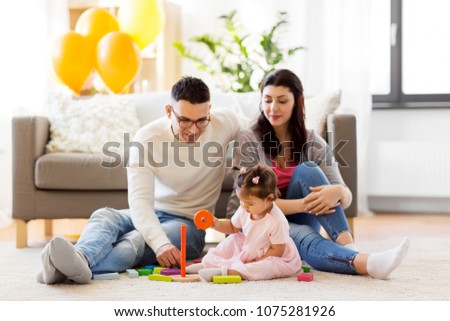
[237, 60]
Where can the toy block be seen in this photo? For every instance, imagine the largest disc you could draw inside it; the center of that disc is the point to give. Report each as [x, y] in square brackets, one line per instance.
[306, 277]
[106, 276]
[158, 269]
[221, 279]
[173, 271]
[306, 269]
[187, 278]
[144, 272]
[197, 261]
[159, 277]
[149, 267]
[132, 273]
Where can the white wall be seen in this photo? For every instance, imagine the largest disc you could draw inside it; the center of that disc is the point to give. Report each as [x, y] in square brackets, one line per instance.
[201, 16]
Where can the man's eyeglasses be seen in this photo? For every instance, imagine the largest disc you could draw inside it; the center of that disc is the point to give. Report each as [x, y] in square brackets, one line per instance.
[187, 123]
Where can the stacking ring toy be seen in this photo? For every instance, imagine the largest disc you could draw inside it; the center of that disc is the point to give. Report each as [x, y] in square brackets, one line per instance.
[203, 219]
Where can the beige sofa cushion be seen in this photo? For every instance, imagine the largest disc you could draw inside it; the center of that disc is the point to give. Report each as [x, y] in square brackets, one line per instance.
[82, 171]
[78, 171]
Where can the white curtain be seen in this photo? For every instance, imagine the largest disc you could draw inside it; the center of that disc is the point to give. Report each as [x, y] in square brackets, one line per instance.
[338, 58]
[27, 28]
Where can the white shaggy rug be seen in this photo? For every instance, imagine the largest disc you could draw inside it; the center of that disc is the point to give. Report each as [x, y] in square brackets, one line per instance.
[424, 275]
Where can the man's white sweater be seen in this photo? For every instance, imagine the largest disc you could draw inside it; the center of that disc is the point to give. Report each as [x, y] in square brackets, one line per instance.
[175, 177]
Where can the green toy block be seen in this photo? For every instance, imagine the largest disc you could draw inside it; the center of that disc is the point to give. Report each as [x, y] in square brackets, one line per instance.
[221, 279]
[306, 269]
[159, 277]
[145, 272]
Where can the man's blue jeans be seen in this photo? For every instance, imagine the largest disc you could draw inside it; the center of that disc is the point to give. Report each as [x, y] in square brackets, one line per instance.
[112, 244]
[321, 253]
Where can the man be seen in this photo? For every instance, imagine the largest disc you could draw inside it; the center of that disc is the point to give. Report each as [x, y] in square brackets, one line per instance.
[170, 177]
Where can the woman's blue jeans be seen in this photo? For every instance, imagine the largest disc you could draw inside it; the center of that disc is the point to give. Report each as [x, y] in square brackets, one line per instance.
[112, 244]
[319, 252]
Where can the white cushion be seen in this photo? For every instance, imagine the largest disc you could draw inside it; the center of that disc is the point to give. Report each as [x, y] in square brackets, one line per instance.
[317, 108]
[85, 124]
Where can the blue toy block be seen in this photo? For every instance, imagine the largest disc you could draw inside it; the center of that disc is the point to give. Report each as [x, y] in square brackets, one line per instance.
[106, 276]
[132, 273]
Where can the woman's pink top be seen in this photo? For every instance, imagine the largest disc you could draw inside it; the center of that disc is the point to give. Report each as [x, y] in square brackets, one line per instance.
[283, 176]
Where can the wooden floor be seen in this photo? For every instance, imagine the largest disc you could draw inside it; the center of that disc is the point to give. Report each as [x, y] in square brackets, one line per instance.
[378, 226]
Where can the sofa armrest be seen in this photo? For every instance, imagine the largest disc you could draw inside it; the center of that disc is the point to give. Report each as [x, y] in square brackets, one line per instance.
[341, 136]
[29, 137]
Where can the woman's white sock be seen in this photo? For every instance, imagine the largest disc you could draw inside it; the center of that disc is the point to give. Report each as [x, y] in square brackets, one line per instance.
[380, 265]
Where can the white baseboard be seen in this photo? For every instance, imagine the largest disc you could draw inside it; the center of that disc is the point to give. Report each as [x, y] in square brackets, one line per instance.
[410, 204]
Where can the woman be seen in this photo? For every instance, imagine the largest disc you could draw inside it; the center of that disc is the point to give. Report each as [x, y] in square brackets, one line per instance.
[313, 193]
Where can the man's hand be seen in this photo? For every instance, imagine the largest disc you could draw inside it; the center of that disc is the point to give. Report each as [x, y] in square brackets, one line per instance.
[168, 255]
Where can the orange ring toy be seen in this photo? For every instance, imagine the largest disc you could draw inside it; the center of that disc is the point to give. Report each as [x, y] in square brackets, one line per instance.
[203, 219]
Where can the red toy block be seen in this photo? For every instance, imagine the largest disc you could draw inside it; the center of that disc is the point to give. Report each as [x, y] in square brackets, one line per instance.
[307, 277]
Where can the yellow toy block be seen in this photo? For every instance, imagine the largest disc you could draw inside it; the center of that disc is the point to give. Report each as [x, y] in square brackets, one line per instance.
[159, 277]
[157, 269]
[221, 279]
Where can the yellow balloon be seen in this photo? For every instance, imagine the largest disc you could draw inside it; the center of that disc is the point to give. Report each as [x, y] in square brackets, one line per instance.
[118, 61]
[94, 23]
[141, 19]
[71, 60]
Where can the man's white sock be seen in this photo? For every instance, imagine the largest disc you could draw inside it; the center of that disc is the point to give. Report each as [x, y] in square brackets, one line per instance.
[69, 261]
[49, 274]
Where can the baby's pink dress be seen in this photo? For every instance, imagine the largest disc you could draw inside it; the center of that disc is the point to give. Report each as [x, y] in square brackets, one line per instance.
[239, 249]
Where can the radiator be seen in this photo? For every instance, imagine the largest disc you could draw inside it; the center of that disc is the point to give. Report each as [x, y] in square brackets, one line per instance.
[409, 169]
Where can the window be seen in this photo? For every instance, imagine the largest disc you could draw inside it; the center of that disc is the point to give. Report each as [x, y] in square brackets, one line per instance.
[410, 53]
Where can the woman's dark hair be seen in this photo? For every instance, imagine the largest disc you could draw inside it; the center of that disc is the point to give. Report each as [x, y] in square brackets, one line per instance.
[191, 89]
[259, 181]
[271, 145]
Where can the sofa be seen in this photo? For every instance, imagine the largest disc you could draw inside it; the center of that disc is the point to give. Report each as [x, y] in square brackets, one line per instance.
[64, 184]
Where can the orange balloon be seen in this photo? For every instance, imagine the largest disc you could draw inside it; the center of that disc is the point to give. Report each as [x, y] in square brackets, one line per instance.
[94, 23]
[118, 60]
[71, 60]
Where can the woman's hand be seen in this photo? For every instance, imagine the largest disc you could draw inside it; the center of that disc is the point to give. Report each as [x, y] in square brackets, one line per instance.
[323, 199]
